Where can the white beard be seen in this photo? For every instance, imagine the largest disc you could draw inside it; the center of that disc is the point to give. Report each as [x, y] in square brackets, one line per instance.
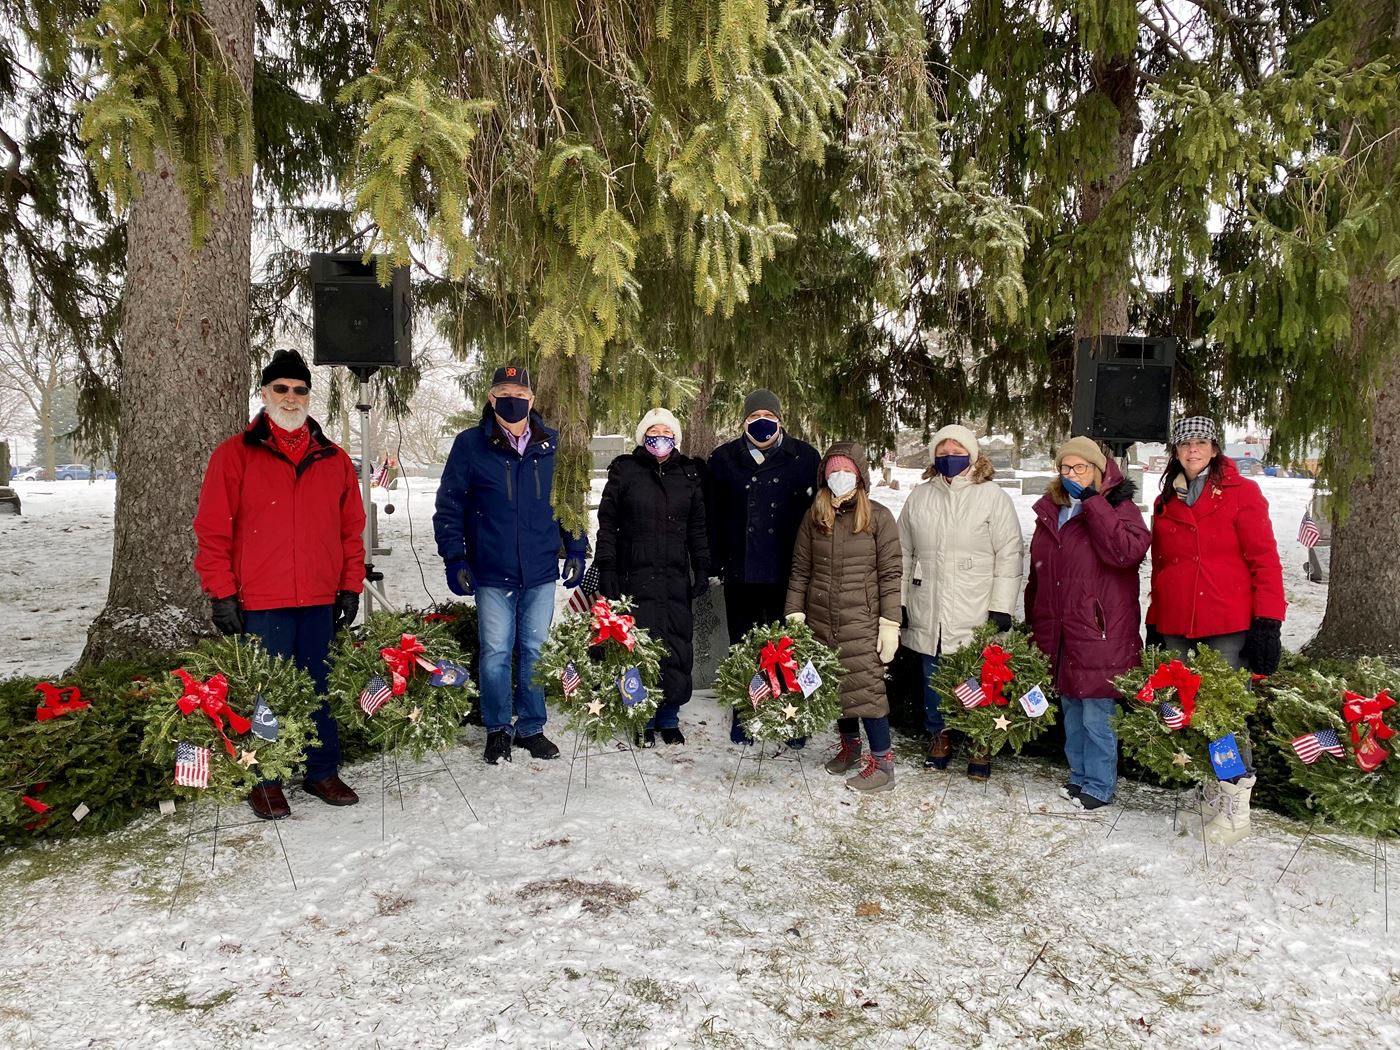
[287, 419]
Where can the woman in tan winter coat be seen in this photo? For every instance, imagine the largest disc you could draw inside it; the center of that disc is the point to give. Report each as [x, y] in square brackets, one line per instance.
[845, 585]
[962, 567]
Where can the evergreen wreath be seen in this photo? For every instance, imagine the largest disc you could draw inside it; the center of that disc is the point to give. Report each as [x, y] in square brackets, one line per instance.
[594, 645]
[784, 713]
[420, 717]
[1306, 700]
[980, 660]
[460, 618]
[249, 671]
[83, 757]
[1222, 704]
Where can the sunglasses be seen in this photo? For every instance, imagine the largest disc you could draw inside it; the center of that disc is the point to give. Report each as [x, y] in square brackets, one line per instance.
[283, 388]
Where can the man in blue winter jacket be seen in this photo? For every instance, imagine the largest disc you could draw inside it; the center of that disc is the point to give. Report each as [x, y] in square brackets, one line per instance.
[497, 533]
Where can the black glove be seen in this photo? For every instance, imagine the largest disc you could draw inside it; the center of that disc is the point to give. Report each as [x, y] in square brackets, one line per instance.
[1154, 637]
[700, 586]
[227, 615]
[1002, 620]
[1262, 645]
[608, 585]
[904, 616]
[459, 578]
[573, 570]
[1086, 492]
[347, 605]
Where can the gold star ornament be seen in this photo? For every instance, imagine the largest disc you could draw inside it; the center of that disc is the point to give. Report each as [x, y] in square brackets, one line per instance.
[1181, 758]
[415, 714]
[789, 712]
[247, 759]
[1002, 723]
[595, 707]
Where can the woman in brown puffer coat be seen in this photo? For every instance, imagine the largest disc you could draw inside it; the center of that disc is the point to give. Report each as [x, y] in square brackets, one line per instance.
[845, 584]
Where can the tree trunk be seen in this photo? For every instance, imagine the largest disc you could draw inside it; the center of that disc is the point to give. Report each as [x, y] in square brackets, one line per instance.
[1363, 595]
[46, 449]
[1106, 311]
[183, 387]
[700, 436]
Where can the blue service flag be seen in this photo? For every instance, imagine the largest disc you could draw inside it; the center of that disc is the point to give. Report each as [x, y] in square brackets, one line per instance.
[631, 688]
[1225, 757]
[448, 673]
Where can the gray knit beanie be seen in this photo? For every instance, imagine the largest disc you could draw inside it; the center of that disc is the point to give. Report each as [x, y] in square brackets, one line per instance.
[762, 400]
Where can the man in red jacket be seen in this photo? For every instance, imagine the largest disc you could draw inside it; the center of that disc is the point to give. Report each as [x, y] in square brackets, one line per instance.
[281, 552]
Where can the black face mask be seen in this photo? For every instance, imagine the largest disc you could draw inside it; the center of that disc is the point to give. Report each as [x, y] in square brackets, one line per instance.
[512, 409]
[761, 429]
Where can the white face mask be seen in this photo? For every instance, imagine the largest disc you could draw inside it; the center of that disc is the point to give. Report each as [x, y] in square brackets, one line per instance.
[841, 483]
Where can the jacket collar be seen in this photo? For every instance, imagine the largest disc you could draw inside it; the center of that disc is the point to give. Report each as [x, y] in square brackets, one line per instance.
[541, 437]
[259, 431]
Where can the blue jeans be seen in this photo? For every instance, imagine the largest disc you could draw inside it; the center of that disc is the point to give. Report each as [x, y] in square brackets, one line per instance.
[304, 637]
[877, 731]
[511, 619]
[668, 716]
[1091, 746]
[933, 703]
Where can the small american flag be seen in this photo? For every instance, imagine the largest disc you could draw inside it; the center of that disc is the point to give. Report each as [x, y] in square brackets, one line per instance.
[1310, 746]
[381, 477]
[191, 765]
[571, 679]
[1173, 716]
[585, 594]
[759, 689]
[1309, 535]
[375, 695]
[970, 693]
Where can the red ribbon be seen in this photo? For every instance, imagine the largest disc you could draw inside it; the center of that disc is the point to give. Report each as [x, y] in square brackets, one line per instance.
[211, 697]
[33, 803]
[1175, 675]
[402, 660]
[440, 618]
[58, 701]
[777, 658]
[1358, 709]
[609, 626]
[996, 673]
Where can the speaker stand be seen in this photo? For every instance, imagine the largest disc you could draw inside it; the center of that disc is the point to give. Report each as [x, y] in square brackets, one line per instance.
[372, 591]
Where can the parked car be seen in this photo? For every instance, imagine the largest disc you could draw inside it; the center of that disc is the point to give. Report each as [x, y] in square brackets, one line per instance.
[29, 474]
[72, 472]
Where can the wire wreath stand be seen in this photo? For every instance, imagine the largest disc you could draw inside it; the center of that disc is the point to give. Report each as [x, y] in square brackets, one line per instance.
[620, 746]
[1380, 862]
[397, 781]
[784, 753]
[191, 833]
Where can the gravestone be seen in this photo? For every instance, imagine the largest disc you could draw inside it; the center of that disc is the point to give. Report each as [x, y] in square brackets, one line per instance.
[9, 498]
[711, 637]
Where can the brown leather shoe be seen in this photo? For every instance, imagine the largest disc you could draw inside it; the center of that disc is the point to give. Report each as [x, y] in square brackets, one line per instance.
[269, 803]
[333, 791]
[940, 749]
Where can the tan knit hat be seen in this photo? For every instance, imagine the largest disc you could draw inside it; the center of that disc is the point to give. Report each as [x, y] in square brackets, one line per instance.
[1084, 448]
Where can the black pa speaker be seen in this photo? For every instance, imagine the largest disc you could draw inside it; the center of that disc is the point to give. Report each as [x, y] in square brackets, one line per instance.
[354, 321]
[1123, 389]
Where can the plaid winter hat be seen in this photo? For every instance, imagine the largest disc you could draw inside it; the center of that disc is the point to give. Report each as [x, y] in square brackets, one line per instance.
[1195, 428]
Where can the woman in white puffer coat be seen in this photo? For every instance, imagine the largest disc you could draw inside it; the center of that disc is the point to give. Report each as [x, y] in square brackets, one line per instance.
[963, 555]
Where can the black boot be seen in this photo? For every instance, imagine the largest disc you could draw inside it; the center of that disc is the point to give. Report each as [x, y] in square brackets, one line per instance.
[672, 735]
[497, 746]
[646, 738]
[539, 746]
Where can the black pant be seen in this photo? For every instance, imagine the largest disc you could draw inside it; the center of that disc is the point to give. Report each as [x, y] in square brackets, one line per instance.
[746, 605]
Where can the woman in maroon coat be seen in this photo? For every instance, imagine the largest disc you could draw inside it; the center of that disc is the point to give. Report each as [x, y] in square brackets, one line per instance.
[1082, 604]
[1216, 577]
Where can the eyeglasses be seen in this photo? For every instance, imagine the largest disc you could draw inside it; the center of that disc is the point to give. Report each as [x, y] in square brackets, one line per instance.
[283, 388]
[1078, 470]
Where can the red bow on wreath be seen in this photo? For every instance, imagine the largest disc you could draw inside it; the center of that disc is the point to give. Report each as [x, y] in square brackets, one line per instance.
[1175, 675]
[609, 626]
[440, 618]
[402, 660]
[211, 697]
[1357, 709]
[58, 700]
[777, 658]
[996, 673]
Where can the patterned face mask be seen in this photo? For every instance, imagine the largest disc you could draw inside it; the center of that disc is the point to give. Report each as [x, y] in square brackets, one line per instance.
[659, 445]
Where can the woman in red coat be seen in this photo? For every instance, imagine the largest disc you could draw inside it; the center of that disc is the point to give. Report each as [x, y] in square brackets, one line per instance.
[1082, 604]
[1216, 581]
[1216, 577]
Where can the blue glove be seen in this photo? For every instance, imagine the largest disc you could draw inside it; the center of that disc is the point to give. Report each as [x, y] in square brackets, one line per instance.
[573, 570]
[459, 578]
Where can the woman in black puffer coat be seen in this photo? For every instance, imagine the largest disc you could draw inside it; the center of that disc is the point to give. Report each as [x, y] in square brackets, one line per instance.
[651, 547]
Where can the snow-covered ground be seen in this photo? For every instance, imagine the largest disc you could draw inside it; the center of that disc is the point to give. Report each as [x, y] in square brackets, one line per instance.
[792, 914]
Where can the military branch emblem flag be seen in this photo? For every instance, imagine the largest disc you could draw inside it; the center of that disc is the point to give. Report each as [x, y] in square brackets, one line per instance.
[631, 688]
[809, 679]
[1034, 702]
[447, 673]
[375, 695]
[191, 766]
[1311, 746]
[1225, 757]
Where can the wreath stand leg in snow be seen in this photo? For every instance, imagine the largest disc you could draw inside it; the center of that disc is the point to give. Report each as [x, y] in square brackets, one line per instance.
[604, 672]
[192, 832]
[400, 681]
[783, 684]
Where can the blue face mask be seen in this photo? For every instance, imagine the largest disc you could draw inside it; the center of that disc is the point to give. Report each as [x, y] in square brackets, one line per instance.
[1073, 487]
[659, 445]
[761, 430]
[512, 409]
[951, 466]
